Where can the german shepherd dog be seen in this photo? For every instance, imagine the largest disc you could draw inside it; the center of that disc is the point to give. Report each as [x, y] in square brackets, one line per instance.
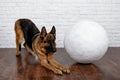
[40, 44]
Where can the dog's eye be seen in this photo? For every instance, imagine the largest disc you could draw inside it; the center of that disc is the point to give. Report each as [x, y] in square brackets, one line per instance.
[45, 41]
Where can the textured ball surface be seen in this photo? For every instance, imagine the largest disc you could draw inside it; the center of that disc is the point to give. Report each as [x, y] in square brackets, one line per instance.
[86, 42]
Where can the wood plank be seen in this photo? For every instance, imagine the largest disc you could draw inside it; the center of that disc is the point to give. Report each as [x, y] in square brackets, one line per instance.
[27, 68]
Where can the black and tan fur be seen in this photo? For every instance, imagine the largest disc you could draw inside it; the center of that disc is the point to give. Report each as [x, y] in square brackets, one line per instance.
[40, 44]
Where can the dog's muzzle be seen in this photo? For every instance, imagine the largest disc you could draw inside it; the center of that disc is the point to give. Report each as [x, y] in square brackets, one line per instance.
[50, 49]
[54, 50]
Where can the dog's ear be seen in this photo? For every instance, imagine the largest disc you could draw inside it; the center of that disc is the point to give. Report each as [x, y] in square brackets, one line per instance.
[43, 32]
[53, 30]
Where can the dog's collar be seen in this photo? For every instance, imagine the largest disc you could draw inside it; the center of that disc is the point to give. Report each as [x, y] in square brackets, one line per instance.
[33, 38]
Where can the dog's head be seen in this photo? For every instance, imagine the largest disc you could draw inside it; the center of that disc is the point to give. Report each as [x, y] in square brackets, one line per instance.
[48, 40]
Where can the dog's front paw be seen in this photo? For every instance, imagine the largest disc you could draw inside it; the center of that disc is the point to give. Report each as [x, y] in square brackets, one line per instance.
[57, 71]
[66, 70]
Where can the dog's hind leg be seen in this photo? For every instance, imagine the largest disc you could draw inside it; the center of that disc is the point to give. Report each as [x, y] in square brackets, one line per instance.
[19, 38]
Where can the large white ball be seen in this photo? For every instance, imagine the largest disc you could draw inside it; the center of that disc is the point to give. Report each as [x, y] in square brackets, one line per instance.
[86, 42]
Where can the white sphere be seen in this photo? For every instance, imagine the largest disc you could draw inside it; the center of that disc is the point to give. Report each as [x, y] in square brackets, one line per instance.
[86, 42]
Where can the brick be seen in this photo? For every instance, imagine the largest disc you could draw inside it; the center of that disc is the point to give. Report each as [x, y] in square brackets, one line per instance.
[61, 13]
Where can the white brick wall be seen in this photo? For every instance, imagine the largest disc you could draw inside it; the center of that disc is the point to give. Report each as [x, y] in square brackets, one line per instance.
[62, 14]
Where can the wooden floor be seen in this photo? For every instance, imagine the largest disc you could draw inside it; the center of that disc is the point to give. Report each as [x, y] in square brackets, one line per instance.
[27, 68]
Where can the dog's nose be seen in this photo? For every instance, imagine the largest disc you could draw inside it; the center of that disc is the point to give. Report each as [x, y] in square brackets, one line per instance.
[54, 50]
